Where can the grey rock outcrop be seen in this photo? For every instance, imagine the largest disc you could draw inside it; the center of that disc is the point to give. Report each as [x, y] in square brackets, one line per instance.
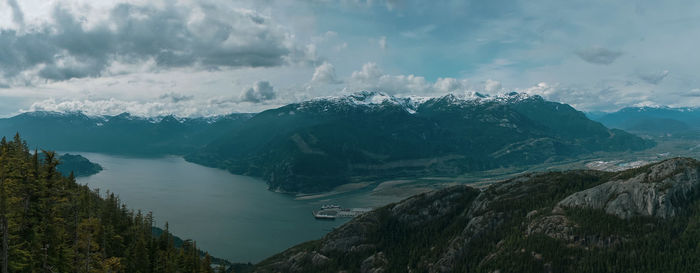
[562, 228]
[297, 262]
[659, 190]
[374, 263]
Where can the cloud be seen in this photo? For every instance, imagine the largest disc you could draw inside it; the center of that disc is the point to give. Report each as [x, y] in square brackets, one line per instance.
[695, 92]
[341, 47]
[382, 42]
[112, 50]
[175, 97]
[420, 32]
[114, 107]
[542, 89]
[261, 91]
[310, 53]
[604, 97]
[609, 95]
[389, 5]
[449, 85]
[325, 73]
[183, 107]
[373, 78]
[598, 55]
[581, 98]
[17, 14]
[369, 73]
[492, 86]
[171, 35]
[654, 78]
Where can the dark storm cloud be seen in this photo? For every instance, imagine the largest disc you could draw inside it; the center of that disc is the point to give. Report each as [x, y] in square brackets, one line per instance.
[598, 55]
[261, 91]
[132, 34]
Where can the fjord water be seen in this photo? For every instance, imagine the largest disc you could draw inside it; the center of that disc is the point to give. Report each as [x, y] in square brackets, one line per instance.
[230, 216]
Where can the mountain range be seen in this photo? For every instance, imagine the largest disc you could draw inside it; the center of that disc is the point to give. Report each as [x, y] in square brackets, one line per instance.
[120, 134]
[658, 121]
[316, 145]
[638, 220]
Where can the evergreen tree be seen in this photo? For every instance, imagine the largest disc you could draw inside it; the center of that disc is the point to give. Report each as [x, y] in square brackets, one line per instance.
[49, 223]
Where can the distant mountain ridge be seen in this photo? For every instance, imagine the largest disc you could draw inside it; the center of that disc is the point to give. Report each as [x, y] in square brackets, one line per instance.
[119, 134]
[653, 120]
[316, 145]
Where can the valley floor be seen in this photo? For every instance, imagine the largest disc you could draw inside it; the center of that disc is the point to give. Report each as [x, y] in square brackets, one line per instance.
[382, 192]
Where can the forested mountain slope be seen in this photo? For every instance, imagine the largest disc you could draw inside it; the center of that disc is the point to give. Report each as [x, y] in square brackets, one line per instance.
[49, 223]
[319, 144]
[640, 220]
[78, 165]
[120, 134]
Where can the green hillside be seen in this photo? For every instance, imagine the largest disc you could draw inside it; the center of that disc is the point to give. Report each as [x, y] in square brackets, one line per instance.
[319, 144]
[49, 223]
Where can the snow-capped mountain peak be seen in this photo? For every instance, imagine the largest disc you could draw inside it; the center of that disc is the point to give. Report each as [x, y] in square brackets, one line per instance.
[370, 97]
[372, 100]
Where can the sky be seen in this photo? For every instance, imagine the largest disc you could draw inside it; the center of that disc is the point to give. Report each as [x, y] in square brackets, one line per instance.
[211, 57]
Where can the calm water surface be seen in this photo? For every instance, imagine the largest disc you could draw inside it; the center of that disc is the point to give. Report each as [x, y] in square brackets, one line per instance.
[233, 217]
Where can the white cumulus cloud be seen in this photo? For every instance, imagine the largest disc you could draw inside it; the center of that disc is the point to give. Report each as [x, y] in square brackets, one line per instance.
[325, 73]
[260, 91]
[382, 42]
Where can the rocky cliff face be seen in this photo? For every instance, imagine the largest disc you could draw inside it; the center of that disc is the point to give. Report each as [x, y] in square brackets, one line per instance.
[658, 190]
[552, 222]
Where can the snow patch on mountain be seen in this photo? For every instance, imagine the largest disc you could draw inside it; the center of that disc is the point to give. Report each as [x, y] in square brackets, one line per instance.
[372, 100]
